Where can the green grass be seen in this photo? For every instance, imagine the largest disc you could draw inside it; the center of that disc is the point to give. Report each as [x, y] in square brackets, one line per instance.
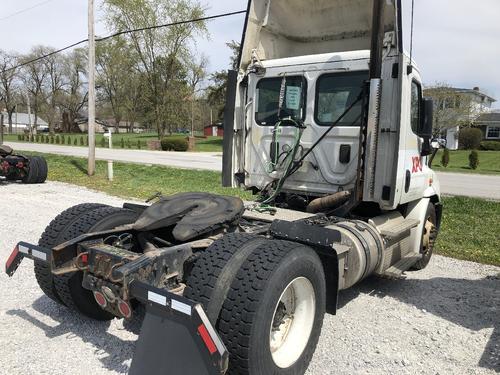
[209, 144]
[470, 230]
[470, 227]
[489, 162]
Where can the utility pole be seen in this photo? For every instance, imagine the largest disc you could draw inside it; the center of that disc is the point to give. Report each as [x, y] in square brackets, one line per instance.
[91, 72]
[1, 128]
[29, 114]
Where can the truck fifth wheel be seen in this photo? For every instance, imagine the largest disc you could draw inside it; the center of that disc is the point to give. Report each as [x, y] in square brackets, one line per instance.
[326, 122]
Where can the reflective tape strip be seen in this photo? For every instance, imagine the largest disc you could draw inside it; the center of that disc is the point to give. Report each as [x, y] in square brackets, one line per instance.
[181, 307]
[157, 298]
[39, 254]
[23, 249]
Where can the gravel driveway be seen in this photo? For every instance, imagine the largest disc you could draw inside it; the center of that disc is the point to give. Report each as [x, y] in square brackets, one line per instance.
[443, 320]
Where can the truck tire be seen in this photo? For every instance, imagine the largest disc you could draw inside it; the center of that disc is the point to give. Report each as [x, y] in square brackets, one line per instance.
[211, 277]
[429, 235]
[69, 286]
[54, 235]
[37, 171]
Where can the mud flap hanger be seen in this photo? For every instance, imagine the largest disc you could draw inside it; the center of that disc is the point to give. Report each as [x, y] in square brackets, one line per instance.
[26, 250]
[176, 337]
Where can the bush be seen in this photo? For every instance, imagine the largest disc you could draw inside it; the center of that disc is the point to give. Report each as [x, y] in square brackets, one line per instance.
[490, 145]
[47, 140]
[52, 139]
[138, 145]
[469, 138]
[37, 138]
[82, 142]
[174, 144]
[58, 140]
[63, 140]
[75, 142]
[445, 159]
[19, 138]
[129, 144]
[68, 141]
[474, 160]
[103, 142]
[86, 140]
[122, 143]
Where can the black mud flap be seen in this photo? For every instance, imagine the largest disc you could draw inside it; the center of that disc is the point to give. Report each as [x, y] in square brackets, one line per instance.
[176, 337]
[26, 250]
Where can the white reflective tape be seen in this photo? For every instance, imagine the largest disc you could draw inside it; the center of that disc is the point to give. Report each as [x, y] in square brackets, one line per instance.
[39, 254]
[23, 249]
[181, 307]
[157, 298]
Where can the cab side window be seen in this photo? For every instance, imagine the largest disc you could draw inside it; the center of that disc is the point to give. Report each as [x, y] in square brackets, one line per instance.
[416, 100]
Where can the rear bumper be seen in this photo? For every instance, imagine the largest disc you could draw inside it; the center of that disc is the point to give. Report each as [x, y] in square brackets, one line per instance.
[176, 336]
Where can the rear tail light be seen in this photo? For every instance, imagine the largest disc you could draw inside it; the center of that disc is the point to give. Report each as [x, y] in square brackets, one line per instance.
[124, 309]
[209, 343]
[100, 299]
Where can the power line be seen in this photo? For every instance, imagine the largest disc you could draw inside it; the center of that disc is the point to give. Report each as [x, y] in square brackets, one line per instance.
[26, 9]
[208, 18]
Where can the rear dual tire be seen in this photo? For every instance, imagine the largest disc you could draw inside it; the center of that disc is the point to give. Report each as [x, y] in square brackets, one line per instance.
[37, 171]
[67, 289]
[254, 284]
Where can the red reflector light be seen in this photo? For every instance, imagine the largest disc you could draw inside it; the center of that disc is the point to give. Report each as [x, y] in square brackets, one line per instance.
[100, 299]
[12, 257]
[84, 258]
[209, 343]
[125, 309]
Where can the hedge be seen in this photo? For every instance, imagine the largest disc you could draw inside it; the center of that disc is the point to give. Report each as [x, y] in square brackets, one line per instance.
[174, 144]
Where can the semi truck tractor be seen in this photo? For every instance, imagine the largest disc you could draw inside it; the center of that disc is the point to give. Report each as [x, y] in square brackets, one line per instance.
[326, 123]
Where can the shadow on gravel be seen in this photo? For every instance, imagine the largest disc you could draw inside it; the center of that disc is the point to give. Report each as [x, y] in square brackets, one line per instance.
[472, 304]
[119, 352]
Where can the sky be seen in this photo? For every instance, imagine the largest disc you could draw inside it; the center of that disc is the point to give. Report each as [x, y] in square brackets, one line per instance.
[455, 41]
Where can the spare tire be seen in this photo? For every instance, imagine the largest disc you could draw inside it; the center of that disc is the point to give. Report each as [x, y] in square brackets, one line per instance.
[37, 171]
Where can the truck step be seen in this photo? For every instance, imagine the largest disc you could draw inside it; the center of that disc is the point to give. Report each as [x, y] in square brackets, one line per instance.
[396, 228]
[396, 271]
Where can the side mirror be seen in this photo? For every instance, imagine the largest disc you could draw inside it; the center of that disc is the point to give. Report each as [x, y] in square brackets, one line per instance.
[426, 125]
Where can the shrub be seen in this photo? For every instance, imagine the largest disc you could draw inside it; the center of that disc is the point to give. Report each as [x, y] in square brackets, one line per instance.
[474, 159]
[47, 140]
[37, 138]
[19, 138]
[63, 140]
[87, 140]
[490, 145]
[68, 141]
[469, 138]
[82, 142]
[174, 144]
[58, 140]
[122, 143]
[129, 144]
[445, 159]
[51, 139]
[138, 145]
[103, 142]
[75, 142]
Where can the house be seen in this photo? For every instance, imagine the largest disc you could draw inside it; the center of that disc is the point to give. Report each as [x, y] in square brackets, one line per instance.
[103, 126]
[455, 107]
[489, 123]
[123, 126]
[21, 123]
[215, 130]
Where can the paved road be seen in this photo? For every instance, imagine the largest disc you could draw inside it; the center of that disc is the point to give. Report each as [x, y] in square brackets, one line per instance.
[451, 183]
[472, 185]
[442, 320]
[211, 161]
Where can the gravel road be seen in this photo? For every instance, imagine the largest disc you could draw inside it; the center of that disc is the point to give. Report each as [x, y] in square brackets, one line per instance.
[443, 320]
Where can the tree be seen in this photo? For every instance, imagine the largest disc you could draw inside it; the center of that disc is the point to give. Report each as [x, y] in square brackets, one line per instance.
[117, 74]
[451, 108]
[55, 84]
[73, 95]
[160, 51]
[216, 92]
[9, 89]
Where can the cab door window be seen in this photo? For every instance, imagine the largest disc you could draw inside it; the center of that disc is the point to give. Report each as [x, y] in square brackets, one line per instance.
[267, 111]
[416, 106]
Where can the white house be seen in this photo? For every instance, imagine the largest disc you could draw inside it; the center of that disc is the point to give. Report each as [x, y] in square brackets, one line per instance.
[21, 122]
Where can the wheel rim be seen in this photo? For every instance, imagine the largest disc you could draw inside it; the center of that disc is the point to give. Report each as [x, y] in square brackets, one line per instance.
[428, 236]
[292, 322]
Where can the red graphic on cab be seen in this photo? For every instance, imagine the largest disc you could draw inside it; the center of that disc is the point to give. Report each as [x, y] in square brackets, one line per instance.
[417, 164]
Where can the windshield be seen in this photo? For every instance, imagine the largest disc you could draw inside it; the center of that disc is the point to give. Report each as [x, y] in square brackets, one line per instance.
[268, 97]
